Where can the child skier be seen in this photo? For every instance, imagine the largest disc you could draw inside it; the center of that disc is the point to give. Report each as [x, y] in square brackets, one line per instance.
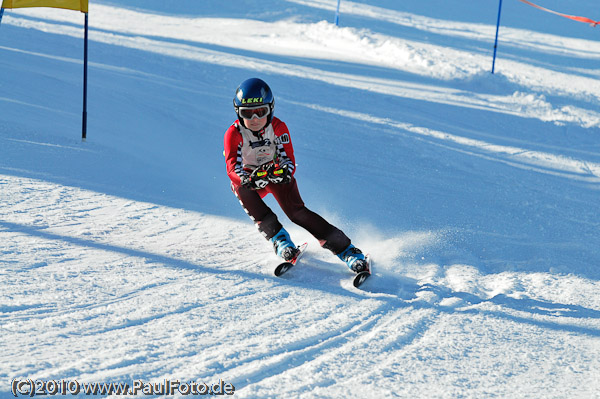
[260, 161]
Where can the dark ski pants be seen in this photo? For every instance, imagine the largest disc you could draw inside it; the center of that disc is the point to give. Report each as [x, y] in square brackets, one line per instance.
[288, 197]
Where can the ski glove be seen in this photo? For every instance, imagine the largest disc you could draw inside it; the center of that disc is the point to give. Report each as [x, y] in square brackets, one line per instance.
[279, 174]
[257, 180]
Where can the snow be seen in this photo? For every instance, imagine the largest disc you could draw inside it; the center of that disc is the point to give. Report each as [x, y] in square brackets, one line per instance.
[127, 257]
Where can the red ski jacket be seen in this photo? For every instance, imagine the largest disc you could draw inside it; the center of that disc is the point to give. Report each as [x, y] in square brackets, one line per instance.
[246, 150]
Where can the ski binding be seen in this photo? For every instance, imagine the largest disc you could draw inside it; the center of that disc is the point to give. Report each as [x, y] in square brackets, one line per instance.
[362, 276]
[287, 265]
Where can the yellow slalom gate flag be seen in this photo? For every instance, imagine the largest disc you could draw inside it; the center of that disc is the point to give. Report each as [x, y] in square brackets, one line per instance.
[77, 5]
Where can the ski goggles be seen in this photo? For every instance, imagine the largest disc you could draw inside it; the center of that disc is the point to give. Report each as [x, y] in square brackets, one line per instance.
[254, 112]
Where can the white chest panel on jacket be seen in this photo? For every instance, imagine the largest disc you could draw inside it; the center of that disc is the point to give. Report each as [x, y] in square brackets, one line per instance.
[259, 150]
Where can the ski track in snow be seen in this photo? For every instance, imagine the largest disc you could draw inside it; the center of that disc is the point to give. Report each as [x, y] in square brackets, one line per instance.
[101, 287]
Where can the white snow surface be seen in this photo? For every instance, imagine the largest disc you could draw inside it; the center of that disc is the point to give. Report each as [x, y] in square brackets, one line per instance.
[127, 258]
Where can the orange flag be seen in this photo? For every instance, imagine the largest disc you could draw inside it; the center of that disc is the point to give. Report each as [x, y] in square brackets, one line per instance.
[77, 5]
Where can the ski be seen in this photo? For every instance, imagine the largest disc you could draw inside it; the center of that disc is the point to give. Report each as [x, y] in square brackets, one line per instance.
[362, 276]
[285, 266]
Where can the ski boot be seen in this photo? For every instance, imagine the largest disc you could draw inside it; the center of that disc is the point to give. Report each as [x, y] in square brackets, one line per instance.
[354, 258]
[284, 247]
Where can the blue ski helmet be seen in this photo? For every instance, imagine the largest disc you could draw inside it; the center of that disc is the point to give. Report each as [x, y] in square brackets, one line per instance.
[253, 92]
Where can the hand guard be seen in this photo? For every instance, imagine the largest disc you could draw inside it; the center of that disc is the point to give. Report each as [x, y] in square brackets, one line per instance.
[279, 174]
[257, 180]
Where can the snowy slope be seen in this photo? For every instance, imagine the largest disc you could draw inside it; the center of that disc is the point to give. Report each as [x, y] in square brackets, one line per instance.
[127, 257]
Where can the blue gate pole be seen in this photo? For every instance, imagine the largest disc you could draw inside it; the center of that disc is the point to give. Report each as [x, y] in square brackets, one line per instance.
[337, 14]
[85, 70]
[496, 41]
[1, 14]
